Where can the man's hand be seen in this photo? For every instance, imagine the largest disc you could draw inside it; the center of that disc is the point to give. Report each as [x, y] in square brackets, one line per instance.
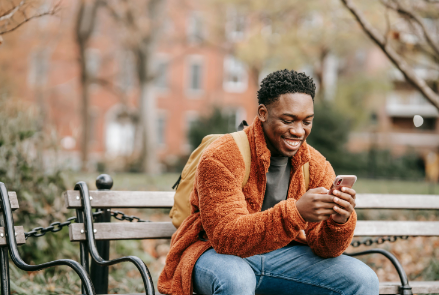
[345, 204]
[316, 205]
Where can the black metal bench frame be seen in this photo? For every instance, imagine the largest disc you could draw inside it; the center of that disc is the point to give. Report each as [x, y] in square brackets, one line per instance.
[7, 222]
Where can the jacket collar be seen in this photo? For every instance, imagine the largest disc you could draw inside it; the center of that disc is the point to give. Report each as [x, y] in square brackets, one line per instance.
[257, 139]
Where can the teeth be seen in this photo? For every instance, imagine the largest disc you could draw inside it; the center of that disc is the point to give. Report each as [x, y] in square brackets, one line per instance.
[292, 143]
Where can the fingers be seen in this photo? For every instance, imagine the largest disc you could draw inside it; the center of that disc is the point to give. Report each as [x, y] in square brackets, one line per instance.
[349, 191]
[347, 197]
[343, 204]
[342, 212]
[319, 190]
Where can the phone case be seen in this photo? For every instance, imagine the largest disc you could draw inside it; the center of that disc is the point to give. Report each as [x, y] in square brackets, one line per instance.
[342, 181]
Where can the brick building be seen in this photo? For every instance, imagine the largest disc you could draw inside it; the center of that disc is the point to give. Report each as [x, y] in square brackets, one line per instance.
[194, 76]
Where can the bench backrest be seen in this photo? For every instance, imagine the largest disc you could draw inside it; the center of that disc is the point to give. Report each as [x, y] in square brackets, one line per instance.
[156, 230]
[19, 231]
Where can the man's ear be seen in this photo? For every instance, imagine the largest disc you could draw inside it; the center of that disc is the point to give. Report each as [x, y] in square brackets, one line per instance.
[262, 113]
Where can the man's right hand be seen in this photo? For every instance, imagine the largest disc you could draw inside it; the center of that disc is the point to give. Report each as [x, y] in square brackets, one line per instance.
[316, 205]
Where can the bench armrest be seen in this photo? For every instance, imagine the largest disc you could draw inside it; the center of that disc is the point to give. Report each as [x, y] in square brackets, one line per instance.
[405, 288]
[8, 222]
[87, 217]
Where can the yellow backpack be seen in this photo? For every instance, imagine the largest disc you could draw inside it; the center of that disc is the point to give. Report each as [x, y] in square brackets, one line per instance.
[185, 184]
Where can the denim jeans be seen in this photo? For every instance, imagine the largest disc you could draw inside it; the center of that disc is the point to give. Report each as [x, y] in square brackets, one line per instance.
[289, 270]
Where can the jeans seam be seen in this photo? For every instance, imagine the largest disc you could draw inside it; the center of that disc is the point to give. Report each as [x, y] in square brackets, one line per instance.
[304, 282]
[262, 272]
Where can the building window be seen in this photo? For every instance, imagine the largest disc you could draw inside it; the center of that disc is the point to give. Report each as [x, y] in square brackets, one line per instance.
[235, 75]
[161, 79]
[195, 74]
[235, 26]
[195, 29]
[120, 132]
[93, 61]
[161, 129]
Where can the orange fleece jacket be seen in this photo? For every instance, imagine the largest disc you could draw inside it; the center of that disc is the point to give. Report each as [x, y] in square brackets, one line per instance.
[231, 215]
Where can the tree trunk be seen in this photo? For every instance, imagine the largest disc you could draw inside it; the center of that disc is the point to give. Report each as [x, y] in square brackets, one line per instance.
[85, 117]
[147, 120]
[85, 22]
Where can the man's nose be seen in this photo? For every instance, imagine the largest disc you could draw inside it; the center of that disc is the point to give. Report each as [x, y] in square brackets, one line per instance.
[297, 130]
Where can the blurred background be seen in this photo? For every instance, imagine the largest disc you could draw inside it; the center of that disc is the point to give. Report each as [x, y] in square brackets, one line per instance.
[130, 88]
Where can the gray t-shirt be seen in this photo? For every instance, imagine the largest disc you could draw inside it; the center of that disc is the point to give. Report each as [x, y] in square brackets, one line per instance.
[278, 179]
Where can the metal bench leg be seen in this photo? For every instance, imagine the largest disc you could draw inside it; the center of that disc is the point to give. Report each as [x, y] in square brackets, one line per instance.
[4, 266]
[405, 288]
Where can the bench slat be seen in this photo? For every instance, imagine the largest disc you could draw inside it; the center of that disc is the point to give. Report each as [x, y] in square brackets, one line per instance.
[389, 201]
[417, 287]
[14, 200]
[397, 228]
[144, 199]
[19, 238]
[124, 231]
[122, 199]
[392, 287]
[158, 230]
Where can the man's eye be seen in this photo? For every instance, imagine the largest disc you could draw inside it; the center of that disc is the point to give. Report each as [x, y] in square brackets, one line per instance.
[307, 122]
[287, 122]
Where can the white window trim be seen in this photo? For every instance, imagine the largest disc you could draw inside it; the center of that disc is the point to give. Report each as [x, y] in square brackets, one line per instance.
[163, 58]
[234, 87]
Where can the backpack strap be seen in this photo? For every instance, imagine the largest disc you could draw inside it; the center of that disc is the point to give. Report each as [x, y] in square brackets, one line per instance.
[305, 169]
[244, 147]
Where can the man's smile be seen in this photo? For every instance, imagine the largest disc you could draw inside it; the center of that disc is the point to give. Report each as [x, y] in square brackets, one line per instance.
[292, 143]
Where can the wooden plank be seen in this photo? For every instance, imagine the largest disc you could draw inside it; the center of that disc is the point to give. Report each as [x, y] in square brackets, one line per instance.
[122, 199]
[397, 228]
[145, 199]
[157, 230]
[417, 287]
[19, 231]
[124, 231]
[13, 200]
[390, 201]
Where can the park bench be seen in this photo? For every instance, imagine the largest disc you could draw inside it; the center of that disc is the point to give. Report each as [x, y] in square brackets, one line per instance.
[106, 231]
[11, 236]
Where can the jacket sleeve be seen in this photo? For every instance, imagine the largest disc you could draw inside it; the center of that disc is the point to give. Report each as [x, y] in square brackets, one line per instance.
[328, 238]
[230, 227]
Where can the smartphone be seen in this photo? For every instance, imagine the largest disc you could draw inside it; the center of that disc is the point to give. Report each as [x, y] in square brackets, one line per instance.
[342, 181]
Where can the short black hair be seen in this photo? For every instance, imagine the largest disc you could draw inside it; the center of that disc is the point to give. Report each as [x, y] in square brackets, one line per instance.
[282, 82]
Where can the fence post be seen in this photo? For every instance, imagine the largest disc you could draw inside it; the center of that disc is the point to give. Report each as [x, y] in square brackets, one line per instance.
[99, 273]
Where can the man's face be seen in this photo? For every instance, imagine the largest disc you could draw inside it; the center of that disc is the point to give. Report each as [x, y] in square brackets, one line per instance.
[287, 122]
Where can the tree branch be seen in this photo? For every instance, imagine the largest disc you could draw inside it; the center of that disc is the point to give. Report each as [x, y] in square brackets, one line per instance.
[12, 12]
[396, 59]
[396, 6]
[26, 19]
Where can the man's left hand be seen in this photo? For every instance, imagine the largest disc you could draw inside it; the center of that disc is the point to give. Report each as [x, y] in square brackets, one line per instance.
[345, 204]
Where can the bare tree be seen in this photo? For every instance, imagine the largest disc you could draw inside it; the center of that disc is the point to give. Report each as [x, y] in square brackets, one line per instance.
[14, 13]
[426, 43]
[142, 22]
[85, 23]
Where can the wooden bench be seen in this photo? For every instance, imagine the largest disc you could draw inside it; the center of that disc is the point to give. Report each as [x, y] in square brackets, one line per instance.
[107, 199]
[11, 236]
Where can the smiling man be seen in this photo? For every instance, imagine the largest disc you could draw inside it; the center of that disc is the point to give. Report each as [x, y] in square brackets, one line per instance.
[250, 240]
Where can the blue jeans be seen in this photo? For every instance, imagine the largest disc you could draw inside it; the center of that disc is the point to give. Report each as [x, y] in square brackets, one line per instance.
[289, 270]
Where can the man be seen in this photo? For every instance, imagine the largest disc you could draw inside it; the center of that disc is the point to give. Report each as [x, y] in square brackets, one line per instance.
[247, 240]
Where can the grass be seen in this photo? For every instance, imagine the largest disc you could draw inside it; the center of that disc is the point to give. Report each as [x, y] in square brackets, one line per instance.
[164, 182]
